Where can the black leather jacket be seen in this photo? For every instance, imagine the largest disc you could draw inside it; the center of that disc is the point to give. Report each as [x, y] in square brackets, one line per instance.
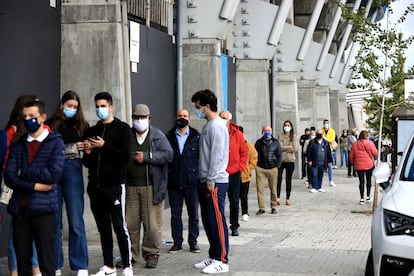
[269, 153]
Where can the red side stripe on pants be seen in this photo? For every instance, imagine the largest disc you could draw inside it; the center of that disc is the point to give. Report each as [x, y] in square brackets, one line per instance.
[220, 226]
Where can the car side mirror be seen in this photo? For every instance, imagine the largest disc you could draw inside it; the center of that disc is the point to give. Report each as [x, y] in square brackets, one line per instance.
[382, 173]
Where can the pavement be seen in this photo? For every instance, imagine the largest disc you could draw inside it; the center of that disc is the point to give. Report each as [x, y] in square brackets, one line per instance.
[318, 234]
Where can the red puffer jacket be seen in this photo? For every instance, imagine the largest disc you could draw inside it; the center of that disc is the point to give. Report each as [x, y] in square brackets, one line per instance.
[362, 155]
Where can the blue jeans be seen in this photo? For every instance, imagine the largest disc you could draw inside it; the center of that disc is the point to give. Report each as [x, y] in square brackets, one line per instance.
[11, 253]
[330, 173]
[344, 157]
[71, 189]
[317, 176]
[334, 158]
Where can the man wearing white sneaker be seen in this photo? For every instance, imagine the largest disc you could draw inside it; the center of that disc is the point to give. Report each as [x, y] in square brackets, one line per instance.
[214, 181]
[319, 157]
[329, 135]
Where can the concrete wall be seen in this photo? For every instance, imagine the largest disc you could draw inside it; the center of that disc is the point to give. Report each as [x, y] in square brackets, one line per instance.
[253, 97]
[92, 53]
[201, 70]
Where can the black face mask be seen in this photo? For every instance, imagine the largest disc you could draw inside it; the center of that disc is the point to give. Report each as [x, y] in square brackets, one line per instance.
[318, 136]
[180, 123]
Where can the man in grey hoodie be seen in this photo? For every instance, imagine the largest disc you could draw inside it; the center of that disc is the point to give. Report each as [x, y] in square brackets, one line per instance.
[214, 155]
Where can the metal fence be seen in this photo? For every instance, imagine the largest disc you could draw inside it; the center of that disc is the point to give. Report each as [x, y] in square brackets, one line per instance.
[160, 11]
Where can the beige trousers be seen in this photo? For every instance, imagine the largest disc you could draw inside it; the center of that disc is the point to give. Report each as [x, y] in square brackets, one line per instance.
[261, 176]
[137, 215]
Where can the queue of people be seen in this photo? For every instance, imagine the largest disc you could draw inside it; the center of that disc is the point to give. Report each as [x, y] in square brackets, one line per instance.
[132, 169]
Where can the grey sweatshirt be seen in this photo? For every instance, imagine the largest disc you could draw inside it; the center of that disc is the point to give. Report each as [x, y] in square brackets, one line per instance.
[214, 152]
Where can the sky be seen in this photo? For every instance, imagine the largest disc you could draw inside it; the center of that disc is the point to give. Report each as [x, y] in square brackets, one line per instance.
[407, 27]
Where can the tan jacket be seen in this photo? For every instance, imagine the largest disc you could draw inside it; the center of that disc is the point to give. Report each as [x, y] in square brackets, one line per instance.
[246, 175]
[289, 148]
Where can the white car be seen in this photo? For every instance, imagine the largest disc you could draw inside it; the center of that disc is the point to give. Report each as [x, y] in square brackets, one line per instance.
[392, 232]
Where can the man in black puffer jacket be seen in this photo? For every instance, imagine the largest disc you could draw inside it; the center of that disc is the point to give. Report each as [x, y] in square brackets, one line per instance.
[269, 161]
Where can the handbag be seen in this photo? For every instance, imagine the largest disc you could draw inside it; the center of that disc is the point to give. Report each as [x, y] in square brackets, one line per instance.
[6, 193]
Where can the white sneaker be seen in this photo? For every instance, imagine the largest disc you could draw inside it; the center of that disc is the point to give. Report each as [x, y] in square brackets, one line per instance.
[82, 272]
[216, 267]
[204, 263]
[245, 217]
[58, 272]
[361, 201]
[369, 199]
[331, 183]
[105, 270]
[127, 272]
[321, 190]
[313, 190]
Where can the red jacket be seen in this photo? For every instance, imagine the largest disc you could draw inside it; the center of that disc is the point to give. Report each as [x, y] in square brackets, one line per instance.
[362, 155]
[238, 152]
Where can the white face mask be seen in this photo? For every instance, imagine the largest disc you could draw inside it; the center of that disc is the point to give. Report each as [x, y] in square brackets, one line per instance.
[286, 129]
[141, 125]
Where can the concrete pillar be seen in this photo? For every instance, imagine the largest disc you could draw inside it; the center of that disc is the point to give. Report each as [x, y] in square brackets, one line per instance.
[321, 104]
[285, 91]
[93, 54]
[253, 98]
[92, 60]
[306, 99]
[201, 70]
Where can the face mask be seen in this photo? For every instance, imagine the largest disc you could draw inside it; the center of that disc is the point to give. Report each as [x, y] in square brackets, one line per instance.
[267, 134]
[318, 136]
[102, 113]
[181, 123]
[312, 136]
[325, 125]
[286, 129]
[141, 125]
[200, 114]
[31, 125]
[69, 112]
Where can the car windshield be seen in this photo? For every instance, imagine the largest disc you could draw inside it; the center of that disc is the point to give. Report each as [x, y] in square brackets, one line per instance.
[408, 166]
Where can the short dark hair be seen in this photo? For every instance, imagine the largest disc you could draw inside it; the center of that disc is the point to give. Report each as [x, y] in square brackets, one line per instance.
[205, 97]
[312, 128]
[104, 96]
[307, 129]
[40, 105]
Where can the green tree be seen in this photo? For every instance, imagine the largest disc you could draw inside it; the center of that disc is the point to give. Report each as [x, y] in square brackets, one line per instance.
[382, 53]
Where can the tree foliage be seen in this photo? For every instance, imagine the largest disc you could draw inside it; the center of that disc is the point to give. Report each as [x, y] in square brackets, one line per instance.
[381, 53]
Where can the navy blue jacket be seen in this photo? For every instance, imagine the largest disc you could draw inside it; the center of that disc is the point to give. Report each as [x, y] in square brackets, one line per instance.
[312, 152]
[3, 150]
[183, 170]
[46, 168]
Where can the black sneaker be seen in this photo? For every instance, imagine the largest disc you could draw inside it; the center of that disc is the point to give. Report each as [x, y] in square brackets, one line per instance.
[175, 248]
[195, 248]
[273, 211]
[152, 260]
[235, 232]
[260, 212]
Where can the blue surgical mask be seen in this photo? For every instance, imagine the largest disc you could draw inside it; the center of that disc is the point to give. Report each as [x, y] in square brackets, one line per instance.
[102, 113]
[200, 114]
[325, 125]
[32, 125]
[267, 134]
[69, 112]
